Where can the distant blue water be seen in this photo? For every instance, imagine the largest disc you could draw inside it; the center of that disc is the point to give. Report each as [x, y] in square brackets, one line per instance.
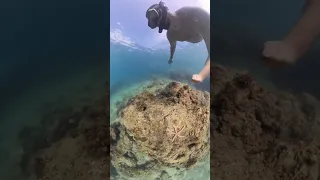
[43, 40]
[128, 66]
[44, 43]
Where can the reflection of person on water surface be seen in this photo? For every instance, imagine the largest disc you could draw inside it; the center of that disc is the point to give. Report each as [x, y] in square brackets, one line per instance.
[191, 24]
[299, 40]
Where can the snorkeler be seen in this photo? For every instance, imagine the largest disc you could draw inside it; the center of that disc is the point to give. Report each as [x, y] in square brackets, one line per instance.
[298, 41]
[191, 24]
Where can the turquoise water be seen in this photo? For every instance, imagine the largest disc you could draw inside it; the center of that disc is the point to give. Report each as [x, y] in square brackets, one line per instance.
[56, 54]
[132, 69]
[51, 52]
[128, 65]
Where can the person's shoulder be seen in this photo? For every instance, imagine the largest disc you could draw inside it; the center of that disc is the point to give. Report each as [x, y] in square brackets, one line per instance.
[190, 9]
[169, 34]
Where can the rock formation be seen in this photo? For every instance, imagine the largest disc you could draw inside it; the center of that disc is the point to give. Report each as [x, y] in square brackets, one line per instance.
[159, 131]
[69, 144]
[259, 134]
[255, 134]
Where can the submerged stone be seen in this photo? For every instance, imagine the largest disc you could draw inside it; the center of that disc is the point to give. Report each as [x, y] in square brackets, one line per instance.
[164, 130]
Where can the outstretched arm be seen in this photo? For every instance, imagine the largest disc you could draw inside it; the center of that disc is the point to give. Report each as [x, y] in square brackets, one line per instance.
[206, 69]
[173, 45]
[205, 32]
[306, 30]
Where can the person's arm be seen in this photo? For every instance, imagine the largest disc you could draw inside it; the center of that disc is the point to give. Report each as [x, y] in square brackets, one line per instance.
[306, 5]
[173, 45]
[306, 30]
[206, 69]
[205, 32]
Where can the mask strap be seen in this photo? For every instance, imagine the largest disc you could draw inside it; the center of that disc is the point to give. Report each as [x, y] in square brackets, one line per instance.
[153, 10]
[160, 16]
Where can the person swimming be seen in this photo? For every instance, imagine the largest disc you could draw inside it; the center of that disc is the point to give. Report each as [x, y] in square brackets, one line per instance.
[190, 24]
[299, 39]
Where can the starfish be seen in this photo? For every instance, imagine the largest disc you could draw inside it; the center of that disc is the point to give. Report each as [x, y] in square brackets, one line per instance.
[176, 132]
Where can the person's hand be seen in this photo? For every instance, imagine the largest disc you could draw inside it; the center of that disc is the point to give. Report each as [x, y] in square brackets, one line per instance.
[279, 53]
[197, 78]
[170, 61]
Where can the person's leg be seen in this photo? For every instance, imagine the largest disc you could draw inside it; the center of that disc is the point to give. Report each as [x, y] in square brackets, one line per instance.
[300, 38]
[204, 73]
[306, 30]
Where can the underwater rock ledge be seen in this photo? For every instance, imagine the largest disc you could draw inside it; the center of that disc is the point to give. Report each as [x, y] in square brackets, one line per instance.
[161, 133]
[69, 144]
[259, 134]
[255, 134]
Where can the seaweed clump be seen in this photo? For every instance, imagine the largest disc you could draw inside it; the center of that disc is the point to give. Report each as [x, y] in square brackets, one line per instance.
[69, 144]
[161, 134]
[260, 134]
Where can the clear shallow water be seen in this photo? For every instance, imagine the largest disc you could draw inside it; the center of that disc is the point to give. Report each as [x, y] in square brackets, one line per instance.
[58, 48]
[139, 54]
[50, 52]
[73, 89]
[132, 69]
[128, 64]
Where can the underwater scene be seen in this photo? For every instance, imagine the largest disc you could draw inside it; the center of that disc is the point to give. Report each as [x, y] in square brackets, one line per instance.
[154, 109]
[159, 117]
[54, 86]
[72, 111]
[264, 119]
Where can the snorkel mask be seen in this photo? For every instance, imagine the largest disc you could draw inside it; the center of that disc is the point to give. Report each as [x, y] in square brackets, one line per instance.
[157, 16]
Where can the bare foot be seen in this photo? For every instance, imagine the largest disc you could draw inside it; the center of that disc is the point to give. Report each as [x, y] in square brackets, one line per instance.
[279, 53]
[197, 78]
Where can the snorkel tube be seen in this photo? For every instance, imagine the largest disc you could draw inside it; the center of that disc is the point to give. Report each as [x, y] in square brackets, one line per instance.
[162, 23]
